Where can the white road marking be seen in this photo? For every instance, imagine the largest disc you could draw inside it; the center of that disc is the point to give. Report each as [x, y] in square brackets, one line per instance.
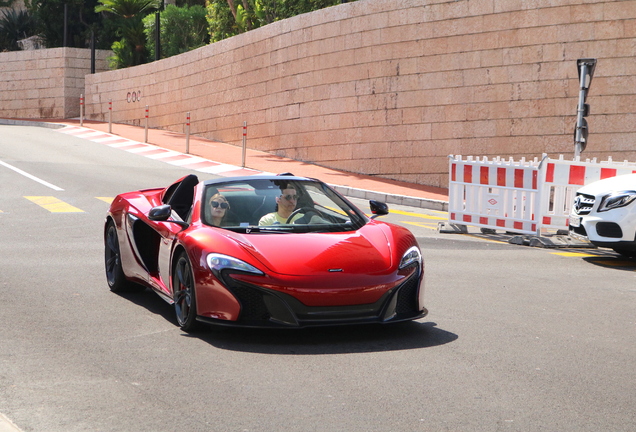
[32, 177]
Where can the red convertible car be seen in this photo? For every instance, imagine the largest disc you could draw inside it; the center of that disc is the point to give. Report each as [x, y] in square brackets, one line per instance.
[263, 251]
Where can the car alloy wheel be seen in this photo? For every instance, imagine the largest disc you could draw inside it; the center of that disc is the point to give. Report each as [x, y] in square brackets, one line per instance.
[184, 295]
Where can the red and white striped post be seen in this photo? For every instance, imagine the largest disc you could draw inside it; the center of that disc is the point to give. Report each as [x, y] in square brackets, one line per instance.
[188, 133]
[110, 115]
[146, 133]
[82, 109]
[244, 143]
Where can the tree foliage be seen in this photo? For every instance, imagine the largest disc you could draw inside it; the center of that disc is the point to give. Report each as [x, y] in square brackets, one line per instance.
[182, 3]
[182, 29]
[14, 26]
[119, 24]
[128, 15]
[128, 8]
[230, 17]
[81, 20]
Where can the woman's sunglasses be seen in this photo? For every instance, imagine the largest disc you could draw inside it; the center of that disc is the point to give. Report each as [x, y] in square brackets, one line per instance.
[216, 204]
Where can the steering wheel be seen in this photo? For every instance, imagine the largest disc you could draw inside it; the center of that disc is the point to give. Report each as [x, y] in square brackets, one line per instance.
[306, 210]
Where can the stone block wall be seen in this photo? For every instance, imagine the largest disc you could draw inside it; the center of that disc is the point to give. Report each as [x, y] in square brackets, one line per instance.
[392, 87]
[45, 83]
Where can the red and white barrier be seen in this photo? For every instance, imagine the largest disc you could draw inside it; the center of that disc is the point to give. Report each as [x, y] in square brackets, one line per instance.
[560, 181]
[521, 196]
[496, 194]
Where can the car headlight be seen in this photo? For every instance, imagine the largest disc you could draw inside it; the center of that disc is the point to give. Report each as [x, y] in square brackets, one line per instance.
[219, 262]
[411, 256]
[616, 200]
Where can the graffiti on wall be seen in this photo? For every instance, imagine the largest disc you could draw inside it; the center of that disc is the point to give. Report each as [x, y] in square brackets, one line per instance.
[134, 96]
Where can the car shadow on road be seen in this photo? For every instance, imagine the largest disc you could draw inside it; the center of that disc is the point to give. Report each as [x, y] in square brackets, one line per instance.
[307, 341]
[328, 340]
[612, 260]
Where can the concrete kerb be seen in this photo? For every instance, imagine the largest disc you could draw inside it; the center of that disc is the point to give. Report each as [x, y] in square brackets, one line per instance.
[425, 203]
[12, 122]
[391, 199]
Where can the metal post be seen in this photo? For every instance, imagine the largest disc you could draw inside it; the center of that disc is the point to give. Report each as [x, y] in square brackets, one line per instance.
[110, 115]
[586, 72]
[580, 111]
[92, 51]
[82, 109]
[64, 39]
[146, 133]
[244, 143]
[158, 32]
[188, 133]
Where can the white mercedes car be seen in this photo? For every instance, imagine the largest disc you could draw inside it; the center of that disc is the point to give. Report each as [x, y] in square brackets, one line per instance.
[604, 212]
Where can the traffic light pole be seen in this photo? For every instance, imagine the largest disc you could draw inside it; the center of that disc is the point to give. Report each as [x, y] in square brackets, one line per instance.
[586, 72]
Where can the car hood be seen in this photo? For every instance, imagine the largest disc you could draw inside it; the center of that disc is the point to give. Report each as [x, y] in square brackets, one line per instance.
[618, 183]
[365, 251]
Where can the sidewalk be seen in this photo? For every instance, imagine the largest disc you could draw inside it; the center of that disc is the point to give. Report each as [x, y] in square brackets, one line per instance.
[349, 184]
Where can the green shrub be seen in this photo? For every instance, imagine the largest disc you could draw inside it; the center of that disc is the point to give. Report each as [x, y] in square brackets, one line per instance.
[182, 29]
[15, 26]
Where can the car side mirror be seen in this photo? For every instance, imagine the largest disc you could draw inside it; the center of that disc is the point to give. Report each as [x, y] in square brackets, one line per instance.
[163, 213]
[378, 208]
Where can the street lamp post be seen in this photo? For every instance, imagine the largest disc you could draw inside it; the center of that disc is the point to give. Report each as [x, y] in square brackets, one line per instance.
[158, 32]
[65, 25]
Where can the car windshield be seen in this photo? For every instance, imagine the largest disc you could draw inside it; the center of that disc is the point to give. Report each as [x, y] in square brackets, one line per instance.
[278, 206]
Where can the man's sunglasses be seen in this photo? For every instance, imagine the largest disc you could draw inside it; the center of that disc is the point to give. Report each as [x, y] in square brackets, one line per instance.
[223, 205]
[290, 197]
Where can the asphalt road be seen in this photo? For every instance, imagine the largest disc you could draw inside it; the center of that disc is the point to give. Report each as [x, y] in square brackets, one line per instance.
[517, 339]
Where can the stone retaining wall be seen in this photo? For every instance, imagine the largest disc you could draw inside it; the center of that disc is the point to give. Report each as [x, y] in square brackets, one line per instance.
[45, 83]
[392, 87]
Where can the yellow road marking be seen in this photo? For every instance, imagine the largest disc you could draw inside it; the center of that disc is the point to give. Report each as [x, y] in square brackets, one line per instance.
[573, 254]
[53, 204]
[481, 237]
[423, 216]
[107, 200]
[430, 225]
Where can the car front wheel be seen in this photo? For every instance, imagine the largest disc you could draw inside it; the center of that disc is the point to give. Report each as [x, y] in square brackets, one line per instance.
[185, 304]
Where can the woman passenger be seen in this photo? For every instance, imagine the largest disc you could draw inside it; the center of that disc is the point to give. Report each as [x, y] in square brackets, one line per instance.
[219, 208]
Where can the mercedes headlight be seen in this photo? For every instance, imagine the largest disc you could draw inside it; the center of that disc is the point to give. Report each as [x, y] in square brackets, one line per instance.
[616, 200]
[219, 262]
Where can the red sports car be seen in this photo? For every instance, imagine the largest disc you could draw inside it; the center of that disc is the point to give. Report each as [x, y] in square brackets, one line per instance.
[263, 251]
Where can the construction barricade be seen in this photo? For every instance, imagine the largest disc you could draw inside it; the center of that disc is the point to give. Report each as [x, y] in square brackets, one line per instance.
[525, 197]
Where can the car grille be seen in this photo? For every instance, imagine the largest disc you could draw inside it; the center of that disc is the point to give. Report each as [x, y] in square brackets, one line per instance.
[580, 230]
[252, 305]
[264, 307]
[583, 204]
[407, 297]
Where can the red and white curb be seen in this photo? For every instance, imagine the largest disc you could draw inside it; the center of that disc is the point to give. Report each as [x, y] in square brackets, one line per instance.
[151, 151]
[200, 164]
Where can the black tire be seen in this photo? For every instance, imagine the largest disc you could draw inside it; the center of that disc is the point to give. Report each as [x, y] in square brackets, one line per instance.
[115, 277]
[185, 303]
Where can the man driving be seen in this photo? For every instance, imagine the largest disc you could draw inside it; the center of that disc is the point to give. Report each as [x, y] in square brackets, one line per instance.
[285, 206]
